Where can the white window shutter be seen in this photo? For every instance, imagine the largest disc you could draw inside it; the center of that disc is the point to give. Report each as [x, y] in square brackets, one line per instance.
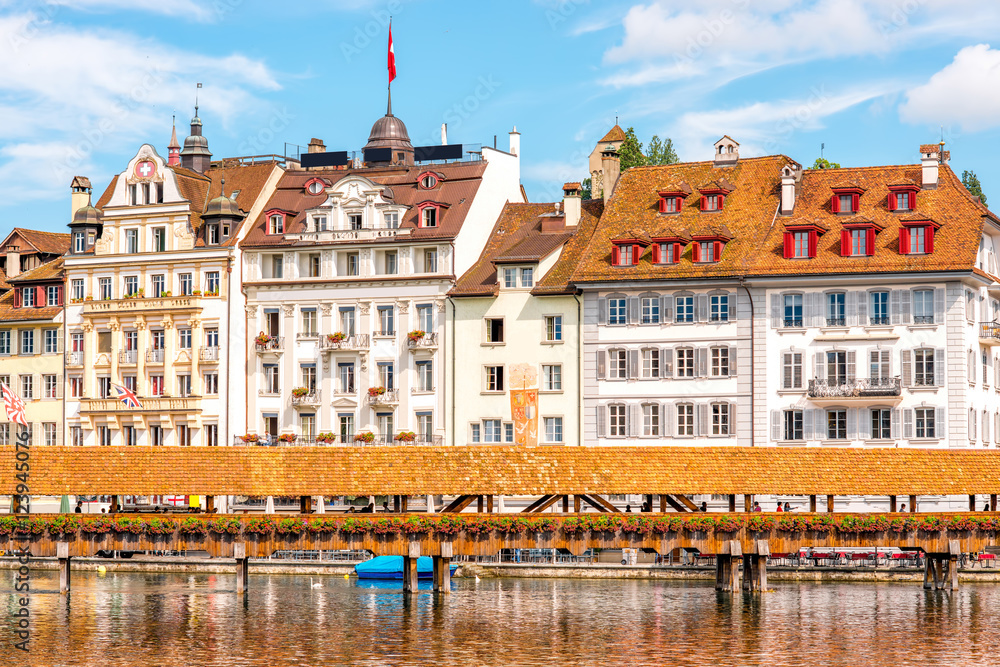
[816, 316]
[669, 419]
[634, 419]
[776, 416]
[940, 367]
[733, 303]
[701, 308]
[602, 311]
[732, 419]
[702, 359]
[602, 420]
[667, 362]
[852, 423]
[894, 308]
[907, 423]
[776, 311]
[733, 360]
[633, 364]
[904, 306]
[820, 371]
[906, 367]
[939, 430]
[851, 308]
[787, 378]
[972, 424]
[864, 423]
[939, 307]
[702, 419]
[633, 310]
[602, 364]
[895, 427]
[808, 428]
[667, 308]
[851, 366]
[863, 308]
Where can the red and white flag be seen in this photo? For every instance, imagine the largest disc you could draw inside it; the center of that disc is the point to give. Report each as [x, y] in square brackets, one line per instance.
[14, 405]
[392, 57]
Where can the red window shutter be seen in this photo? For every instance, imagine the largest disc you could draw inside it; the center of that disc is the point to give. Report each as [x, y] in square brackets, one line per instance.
[616, 255]
[722, 201]
[870, 232]
[929, 239]
[789, 246]
[904, 241]
[59, 295]
[678, 249]
[812, 244]
[835, 204]
[912, 199]
[718, 250]
[663, 204]
[892, 201]
[656, 253]
[845, 243]
[17, 297]
[39, 297]
[636, 251]
[696, 252]
[854, 203]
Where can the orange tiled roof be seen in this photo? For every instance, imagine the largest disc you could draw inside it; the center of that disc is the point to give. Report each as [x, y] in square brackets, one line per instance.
[8, 313]
[52, 270]
[507, 470]
[47, 243]
[614, 134]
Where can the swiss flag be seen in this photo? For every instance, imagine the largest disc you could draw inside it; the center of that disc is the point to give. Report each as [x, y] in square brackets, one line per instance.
[392, 57]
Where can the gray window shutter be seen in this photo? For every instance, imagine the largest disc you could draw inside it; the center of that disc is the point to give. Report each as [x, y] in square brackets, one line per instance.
[634, 419]
[633, 364]
[786, 370]
[904, 306]
[894, 432]
[851, 366]
[633, 310]
[808, 427]
[865, 423]
[863, 308]
[940, 366]
[894, 306]
[701, 418]
[820, 371]
[602, 364]
[970, 306]
[972, 366]
[666, 308]
[667, 362]
[907, 423]
[776, 311]
[602, 311]
[996, 427]
[851, 308]
[939, 305]
[669, 419]
[732, 360]
[814, 301]
[939, 430]
[602, 420]
[733, 303]
[776, 425]
[732, 419]
[852, 423]
[906, 367]
[972, 424]
[702, 360]
[701, 308]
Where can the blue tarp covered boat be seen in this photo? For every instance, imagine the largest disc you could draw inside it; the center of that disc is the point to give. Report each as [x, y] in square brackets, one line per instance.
[391, 567]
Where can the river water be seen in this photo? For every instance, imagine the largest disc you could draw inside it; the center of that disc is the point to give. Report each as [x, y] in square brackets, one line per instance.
[193, 620]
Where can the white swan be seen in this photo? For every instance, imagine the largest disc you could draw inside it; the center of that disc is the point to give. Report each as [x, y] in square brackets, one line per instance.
[477, 578]
[318, 584]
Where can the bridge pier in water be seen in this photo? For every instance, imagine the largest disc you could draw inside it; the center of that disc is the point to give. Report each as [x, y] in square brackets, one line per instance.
[410, 576]
[442, 569]
[242, 567]
[754, 570]
[62, 553]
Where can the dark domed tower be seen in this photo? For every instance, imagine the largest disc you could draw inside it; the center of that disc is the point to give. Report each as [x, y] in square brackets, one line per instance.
[390, 132]
[195, 154]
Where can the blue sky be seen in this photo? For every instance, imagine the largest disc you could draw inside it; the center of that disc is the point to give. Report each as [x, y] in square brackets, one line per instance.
[85, 82]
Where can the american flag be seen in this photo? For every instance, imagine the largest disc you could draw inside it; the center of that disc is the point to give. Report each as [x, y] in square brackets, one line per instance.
[127, 396]
[14, 405]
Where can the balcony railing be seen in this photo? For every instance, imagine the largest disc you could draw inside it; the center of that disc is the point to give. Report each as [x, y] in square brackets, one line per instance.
[272, 344]
[859, 388]
[311, 398]
[879, 321]
[208, 354]
[428, 340]
[355, 342]
[74, 358]
[435, 440]
[306, 335]
[154, 356]
[141, 304]
[390, 396]
[128, 356]
[149, 404]
[836, 322]
[923, 319]
[989, 332]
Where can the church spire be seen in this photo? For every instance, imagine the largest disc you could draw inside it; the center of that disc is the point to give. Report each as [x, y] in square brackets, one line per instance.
[173, 148]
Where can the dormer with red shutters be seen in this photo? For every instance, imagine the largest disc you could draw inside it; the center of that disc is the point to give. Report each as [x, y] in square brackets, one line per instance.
[628, 248]
[672, 197]
[37, 296]
[916, 235]
[668, 247]
[429, 214]
[707, 244]
[801, 238]
[857, 238]
[903, 196]
[846, 198]
[713, 195]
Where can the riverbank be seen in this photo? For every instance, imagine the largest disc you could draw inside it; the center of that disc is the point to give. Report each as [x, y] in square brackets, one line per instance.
[502, 570]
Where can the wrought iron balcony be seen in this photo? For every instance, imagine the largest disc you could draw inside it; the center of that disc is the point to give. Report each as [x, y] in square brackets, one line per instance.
[140, 304]
[860, 388]
[128, 356]
[989, 333]
[312, 398]
[269, 343]
[208, 354]
[355, 342]
[390, 396]
[154, 356]
[74, 358]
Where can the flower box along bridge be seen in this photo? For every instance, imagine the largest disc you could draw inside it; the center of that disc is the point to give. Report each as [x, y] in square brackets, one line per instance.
[728, 537]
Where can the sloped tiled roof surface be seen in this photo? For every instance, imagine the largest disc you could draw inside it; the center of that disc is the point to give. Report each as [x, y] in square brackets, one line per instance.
[105, 197]
[614, 134]
[950, 205]
[8, 313]
[634, 208]
[52, 270]
[505, 470]
[49, 243]
[521, 226]
[456, 190]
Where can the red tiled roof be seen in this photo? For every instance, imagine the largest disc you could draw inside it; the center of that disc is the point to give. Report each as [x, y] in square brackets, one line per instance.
[48, 271]
[614, 134]
[47, 243]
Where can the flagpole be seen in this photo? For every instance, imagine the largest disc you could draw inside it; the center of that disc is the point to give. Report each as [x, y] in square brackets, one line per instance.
[388, 111]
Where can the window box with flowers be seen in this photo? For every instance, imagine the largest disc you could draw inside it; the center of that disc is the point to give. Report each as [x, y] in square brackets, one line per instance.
[326, 438]
[299, 392]
[416, 335]
[376, 391]
[250, 438]
[262, 339]
[367, 437]
[88, 298]
[286, 437]
[165, 292]
[214, 292]
[337, 338]
[196, 292]
[406, 436]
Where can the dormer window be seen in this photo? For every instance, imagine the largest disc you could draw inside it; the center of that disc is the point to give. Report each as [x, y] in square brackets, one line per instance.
[858, 240]
[213, 234]
[713, 195]
[27, 296]
[428, 181]
[902, 198]
[319, 223]
[429, 217]
[672, 197]
[276, 223]
[706, 251]
[800, 240]
[916, 237]
[670, 204]
[627, 251]
[79, 242]
[712, 202]
[315, 186]
[846, 199]
[668, 250]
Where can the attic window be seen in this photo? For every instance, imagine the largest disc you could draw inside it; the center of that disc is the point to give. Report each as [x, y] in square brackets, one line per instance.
[902, 199]
[315, 186]
[712, 202]
[671, 202]
[429, 216]
[428, 181]
[846, 200]
[276, 223]
[627, 252]
[706, 251]
[917, 237]
[858, 240]
[800, 241]
[668, 250]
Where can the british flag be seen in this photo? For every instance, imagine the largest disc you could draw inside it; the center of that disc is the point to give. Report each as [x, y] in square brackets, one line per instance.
[127, 396]
[14, 405]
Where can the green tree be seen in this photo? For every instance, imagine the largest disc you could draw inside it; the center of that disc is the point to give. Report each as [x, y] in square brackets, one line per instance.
[972, 184]
[586, 190]
[630, 152]
[822, 163]
[661, 152]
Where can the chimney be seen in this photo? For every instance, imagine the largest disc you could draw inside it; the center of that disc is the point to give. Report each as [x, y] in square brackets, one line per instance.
[515, 141]
[80, 194]
[572, 203]
[789, 178]
[727, 152]
[13, 261]
[611, 168]
[317, 146]
[444, 134]
[930, 159]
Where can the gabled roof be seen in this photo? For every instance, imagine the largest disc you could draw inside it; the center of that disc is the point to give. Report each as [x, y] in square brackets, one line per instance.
[8, 313]
[52, 270]
[47, 243]
[614, 134]
[518, 231]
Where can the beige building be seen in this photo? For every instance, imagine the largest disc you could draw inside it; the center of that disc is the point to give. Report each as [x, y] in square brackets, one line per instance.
[613, 139]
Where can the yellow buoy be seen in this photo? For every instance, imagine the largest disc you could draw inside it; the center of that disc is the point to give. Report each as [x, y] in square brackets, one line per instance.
[101, 569]
[347, 576]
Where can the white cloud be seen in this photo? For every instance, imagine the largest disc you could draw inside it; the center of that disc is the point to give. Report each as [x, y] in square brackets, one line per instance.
[966, 92]
[198, 11]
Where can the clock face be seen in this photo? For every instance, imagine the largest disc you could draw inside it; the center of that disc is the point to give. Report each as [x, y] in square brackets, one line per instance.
[145, 169]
